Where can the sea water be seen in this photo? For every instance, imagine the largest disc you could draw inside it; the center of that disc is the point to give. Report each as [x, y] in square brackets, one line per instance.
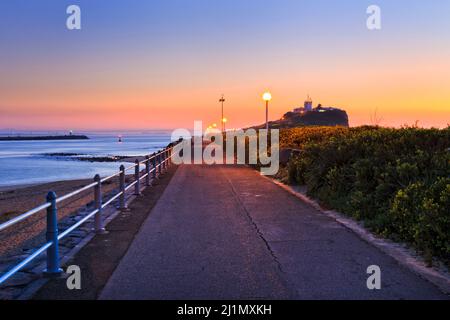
[28, 162]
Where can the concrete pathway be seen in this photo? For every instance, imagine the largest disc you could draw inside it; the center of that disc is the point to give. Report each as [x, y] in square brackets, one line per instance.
[225, 232]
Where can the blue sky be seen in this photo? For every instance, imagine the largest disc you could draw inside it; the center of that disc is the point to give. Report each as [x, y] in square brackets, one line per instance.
[237, 46]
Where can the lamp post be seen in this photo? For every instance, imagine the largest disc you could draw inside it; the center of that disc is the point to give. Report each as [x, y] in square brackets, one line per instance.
[222, 100]
[224, 122]
[267, 96]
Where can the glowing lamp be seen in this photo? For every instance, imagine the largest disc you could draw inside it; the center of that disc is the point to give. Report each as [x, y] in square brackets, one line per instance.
[267, 96]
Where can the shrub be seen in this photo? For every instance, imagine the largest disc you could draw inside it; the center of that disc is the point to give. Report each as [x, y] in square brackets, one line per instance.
[396, 180]
[421, 215]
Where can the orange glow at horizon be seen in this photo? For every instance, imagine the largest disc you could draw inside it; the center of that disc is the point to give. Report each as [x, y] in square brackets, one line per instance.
[242, 110]
[400, 91]
[163, 110]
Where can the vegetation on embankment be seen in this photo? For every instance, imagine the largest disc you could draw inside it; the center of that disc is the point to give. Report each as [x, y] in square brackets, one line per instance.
[395, 180]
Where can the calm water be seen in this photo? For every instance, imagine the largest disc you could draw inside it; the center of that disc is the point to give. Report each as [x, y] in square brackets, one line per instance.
[24, 162]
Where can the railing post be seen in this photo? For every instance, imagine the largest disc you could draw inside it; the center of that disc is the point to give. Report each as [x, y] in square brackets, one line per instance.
[163, 155]
[167, 158]
[154, 166]
[159, 164]
[166, 165]
[53, 268]
[169, 163]
[137, 186]
[147, 171]
[122, 203]
[98, 221]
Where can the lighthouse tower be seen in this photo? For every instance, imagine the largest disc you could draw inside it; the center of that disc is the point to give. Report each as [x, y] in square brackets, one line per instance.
[308, 104]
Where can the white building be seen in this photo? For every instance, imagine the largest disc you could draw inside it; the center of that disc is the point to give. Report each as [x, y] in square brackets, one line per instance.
[308, 104]
[307, 107]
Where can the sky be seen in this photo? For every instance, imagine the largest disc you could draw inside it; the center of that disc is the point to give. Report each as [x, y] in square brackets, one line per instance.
[141, 64]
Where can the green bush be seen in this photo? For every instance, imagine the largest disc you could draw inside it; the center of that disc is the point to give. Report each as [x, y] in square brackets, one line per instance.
[396, 180]
[421, 215]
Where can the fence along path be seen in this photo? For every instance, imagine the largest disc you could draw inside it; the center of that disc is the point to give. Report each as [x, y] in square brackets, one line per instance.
[154, 166]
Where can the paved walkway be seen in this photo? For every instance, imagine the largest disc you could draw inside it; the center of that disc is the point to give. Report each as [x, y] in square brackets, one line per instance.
[224, 232]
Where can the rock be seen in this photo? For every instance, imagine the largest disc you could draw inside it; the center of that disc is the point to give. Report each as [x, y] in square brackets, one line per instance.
[77, 234]
[70, 242]
[19, 279]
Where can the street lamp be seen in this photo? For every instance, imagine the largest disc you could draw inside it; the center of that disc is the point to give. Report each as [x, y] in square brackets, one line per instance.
[267, 96]
[224, 122]
[222, 100]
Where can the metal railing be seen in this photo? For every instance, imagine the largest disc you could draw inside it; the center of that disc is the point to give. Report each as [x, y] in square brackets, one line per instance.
[155, 165]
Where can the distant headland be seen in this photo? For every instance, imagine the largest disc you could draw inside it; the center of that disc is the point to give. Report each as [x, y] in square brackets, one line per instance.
[40, 138]
[310, 116]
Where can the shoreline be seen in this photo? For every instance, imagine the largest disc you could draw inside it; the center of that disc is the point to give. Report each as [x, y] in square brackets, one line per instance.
[17, 187]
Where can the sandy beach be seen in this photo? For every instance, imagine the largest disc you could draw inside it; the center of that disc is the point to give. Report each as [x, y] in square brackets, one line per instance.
[18, 199]
[29, 233]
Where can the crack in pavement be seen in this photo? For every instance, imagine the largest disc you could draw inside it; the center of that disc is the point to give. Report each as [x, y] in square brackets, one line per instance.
[255, 226]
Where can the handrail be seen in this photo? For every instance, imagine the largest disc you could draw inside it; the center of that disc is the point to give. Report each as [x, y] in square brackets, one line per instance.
[76, 192]
[163, 160]
[141, 162]
[130, 167]
[130, 185]
[23, 216]
[110, 177]
[18, 267]
[76, 225]
[107, 203]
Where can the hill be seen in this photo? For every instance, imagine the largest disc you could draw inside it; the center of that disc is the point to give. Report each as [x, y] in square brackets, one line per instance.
[319, 116]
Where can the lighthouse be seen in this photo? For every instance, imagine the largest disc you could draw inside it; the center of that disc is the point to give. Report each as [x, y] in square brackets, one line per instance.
[308, 104]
